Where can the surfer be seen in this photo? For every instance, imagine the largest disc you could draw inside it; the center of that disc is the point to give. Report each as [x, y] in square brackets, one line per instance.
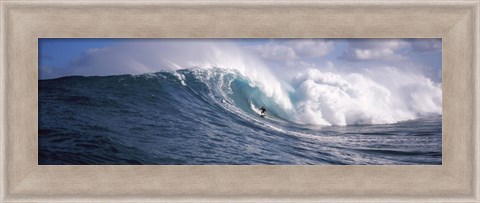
[263, 111]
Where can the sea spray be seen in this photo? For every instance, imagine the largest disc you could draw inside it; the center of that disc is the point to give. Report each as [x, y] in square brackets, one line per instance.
[326, 98]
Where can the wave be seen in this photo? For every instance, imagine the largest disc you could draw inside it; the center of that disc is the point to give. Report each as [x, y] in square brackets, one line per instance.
[312, 97]
[375, 96]
[370, 96]
[210, 116]
[242, 82]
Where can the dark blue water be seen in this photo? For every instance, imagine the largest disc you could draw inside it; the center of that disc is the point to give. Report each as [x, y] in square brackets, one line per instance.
[205, 117]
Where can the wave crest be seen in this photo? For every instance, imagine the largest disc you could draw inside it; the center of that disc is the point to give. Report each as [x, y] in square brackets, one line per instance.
[325, 98]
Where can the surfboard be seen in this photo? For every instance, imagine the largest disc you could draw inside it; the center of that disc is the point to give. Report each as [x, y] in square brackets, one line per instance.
[263, 115]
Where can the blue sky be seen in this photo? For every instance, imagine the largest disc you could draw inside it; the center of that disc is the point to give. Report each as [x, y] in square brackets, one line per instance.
[61, 52]
[65, 57]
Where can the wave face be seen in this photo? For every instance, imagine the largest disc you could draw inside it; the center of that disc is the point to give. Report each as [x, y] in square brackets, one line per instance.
[210, 116]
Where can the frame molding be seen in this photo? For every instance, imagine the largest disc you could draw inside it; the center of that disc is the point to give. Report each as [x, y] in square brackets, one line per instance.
[23, 22]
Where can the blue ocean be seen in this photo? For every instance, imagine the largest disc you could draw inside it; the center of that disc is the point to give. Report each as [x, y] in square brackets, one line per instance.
[211, 117]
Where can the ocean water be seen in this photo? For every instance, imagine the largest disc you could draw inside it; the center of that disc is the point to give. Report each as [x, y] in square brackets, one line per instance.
[210, 117]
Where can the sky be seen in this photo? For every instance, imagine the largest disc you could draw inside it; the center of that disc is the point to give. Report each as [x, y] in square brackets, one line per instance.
[100, 57]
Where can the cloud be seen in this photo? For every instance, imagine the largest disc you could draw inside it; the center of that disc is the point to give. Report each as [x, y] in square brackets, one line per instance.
[392, 44]
[426, 45]
[293, 49]
[311, 47]
[374, 49]
[369, 54]
[274, 51]
[388, 49]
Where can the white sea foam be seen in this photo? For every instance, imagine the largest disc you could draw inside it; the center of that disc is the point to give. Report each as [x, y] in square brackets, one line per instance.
[181, 78]
[335, 99]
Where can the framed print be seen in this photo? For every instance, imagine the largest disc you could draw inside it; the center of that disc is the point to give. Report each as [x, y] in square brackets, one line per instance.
[239, 101]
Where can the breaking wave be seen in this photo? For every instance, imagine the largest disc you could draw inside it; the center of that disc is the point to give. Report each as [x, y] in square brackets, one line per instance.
[315, 97]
